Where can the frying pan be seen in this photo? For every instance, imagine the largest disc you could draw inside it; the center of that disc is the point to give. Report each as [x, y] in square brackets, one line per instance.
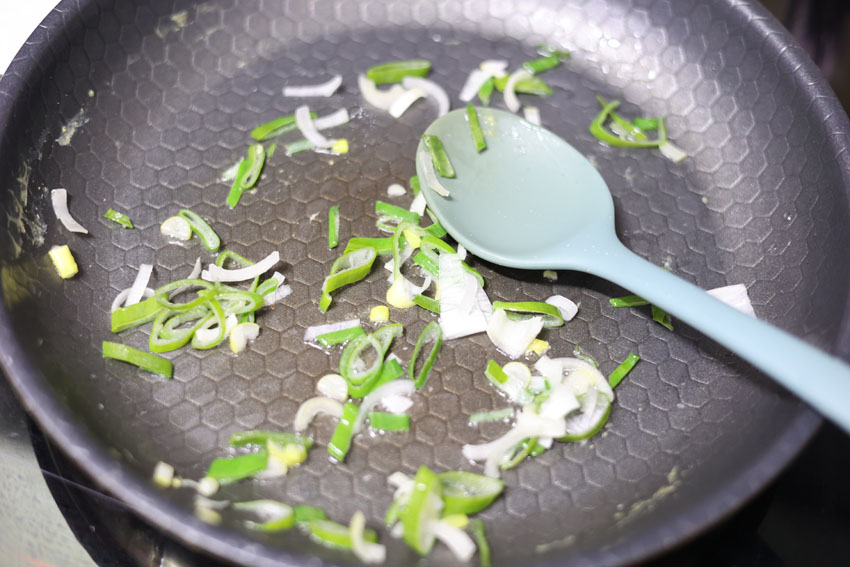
[141, 105]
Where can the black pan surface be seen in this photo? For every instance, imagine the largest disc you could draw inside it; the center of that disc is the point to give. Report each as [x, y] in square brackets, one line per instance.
[142, 105]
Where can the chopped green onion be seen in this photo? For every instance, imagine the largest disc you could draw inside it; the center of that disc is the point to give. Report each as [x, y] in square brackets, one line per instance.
[486, 91]
[468, 493]
[389, 372]
[261, 437]
[591, 430]
[236, 188]
[334, 535]
[402, 215]
[520, 455]
[475, 128]
[494, 415]
[544, 49]
[628, 301]
[383, 246]
[597, 128]
[270, 150]
[645, 124]
[414, 185]
[389, 421]
[581, 355]
[275, 127]
[541, 64]
[341, 440]
[439, 157]
[395, 71]
[623, 369]
[427, 263]
[135, 315]
[479, 532]
[359, 374]
[432, 333]
[200, 227]
[304, 514]
[340, 336]
[119, 218]
[136, 357]
[333, 226]
[533, 86]
[349, 268]
[495, 374]
[278, 516]
[232, 469]
[423, 508]
[428, 303]
[293, 148]
[166, 334]
[662, 317]
[255, 161]
[521, 310]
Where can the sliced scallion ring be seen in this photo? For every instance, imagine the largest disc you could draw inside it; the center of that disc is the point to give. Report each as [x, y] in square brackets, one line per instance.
[395, 71]
[275, 128]
[623, 369]
[276, 516]
[422, 509]
[541, 64]
[333, 226]
[119, 218]
[232, 469]
[125, 318]
[334, 535]
[208, 236]
[439, 157]
[479, 532]
[348, 268]
[354, 368]
[136, 357]
[475, 128]
[254, 166]
[340, 442]
[432, 334]
[519, 311]
[389, 421]
[468, 493]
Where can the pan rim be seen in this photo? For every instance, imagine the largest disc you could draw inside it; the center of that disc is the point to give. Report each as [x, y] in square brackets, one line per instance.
[117, 479]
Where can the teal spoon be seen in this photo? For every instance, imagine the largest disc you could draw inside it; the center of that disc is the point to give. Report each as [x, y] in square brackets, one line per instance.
[531, 200]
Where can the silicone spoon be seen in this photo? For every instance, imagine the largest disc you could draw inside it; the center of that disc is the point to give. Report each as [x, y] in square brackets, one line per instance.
[530, 200]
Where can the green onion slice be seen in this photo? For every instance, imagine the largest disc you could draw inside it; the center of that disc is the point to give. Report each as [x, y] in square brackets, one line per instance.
[348, 268]
[486, 91]
[136, 357]
[414, 185]
[275, 127]
[334, 535]
[165, 294]
[395, 71]
[119, 218]
[526, 309]
[232, 469]
[494, 415]
[428, 303]
[396, 213]
[277, 515]
[468, 493]
[236, 188]
[432, 334]
[357, 372]
[200, 227]
[341, 440]
[533, 86]
[298, 146]
[439, 157]
[597, 128]
[479, 532]
[541, 64]
[389, 421]
[544, 49]
[594, 427]
[341, 336]
[522, 451]
[628, 301]
[495, 374]
[169, 333]
[383, 246]
[216, 319]
[261, 437]
[662, 317]
[424, 507]
[304, 514]
[333, 226]
[623, 369]
[255, 161]
[475, 128]
[135, 315]
[389, 371]
[386, 334]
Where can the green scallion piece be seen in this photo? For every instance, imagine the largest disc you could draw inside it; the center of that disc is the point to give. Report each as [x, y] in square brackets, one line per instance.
[169, 333]
[423, 507]
[475, 128]
[645, 124]
[278, 516]
[232, 469]
[119, 218]
[270, 150]
[597, 128]
[236, 188]
[304, 514]
[293, 148]
[495, 374]
[468, 493]
[255, 161]
[341, 440]
[340, 336]
[275, 127]
[439, 157]
[333, 226]
[494, 415]
[433, 334]
[349, 268]
[428, 303]
[541, 64]
[389, 371]
[136, 357]
[486, 91]
[383, 246]
[389, 421]
[414, 185]
[623, 369]
[336, 536]
[427, 263]
[579, 353]
[386, 334]
[397, 213]
[136, 315]
[628, 301]
[479, 532]
[662, 317]
[533, 86]
[520, 453]
[544, 49]
[261, 437]
[359, 374]
[526, 309]
[204, 231]
[395, 71]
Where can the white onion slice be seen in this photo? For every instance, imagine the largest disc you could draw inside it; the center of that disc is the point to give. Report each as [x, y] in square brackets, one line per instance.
[405, 101]
[378, 98]
[394, 388]
[734, 295]
[672, 152]
[532, 114]
[396, 404]
[177, 228]
[313, 407]
[583, 380]
[311, 333]
[280, 292]
[457, 540]
[513, 337]
[567, 308]
[473, 84]
[511, 100]
[396, 190]
[59, 197]
[496, 68]
[461, 252]
[119, 300]
[215, 273]
[140, 284]
[432, 89]
[332, 120]
[241, 334]
[196, 270]
[333, 386]
[561, 402]
[463, 311]
[418, 204]
[325, 89]
[423, 159]
[205, 337]
[308, 129]
[365, 551]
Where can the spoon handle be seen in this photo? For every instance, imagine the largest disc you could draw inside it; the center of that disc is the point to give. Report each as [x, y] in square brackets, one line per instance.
[821, 380]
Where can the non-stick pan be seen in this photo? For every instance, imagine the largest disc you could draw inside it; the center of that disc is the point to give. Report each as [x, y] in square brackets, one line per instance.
[142, 105]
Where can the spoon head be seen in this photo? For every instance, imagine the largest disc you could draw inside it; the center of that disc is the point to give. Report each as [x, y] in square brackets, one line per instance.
[529, 200]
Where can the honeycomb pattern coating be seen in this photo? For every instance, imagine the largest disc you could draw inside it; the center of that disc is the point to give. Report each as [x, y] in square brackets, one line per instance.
[168, 91]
